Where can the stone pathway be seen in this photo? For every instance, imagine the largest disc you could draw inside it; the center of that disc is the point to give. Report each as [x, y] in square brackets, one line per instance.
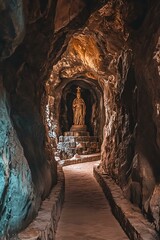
[86, 214]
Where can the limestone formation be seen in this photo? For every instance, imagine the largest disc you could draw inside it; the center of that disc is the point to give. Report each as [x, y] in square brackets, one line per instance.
[110, 49]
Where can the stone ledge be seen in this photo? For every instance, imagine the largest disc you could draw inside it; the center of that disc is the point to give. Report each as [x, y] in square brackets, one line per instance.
[44, 225]
[80, 159]
[130, 217]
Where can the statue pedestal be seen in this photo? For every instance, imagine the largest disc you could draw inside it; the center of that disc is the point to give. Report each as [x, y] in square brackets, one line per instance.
[74, 143]
[78, 128]
[77, 141]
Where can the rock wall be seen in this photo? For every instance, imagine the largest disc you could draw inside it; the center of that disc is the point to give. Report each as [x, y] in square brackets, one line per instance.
[130, 150]
[28, 49]
[146, 162]
[117, 51]
[17, 192]
[27, 172]
[119, 48]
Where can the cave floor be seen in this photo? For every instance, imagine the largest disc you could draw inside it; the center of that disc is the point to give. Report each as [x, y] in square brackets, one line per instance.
[86, 214]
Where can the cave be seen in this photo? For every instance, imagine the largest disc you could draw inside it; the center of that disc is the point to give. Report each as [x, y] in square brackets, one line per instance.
[111, 50]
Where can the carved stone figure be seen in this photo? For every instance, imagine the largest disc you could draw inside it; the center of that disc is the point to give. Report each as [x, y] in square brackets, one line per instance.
[79, 109]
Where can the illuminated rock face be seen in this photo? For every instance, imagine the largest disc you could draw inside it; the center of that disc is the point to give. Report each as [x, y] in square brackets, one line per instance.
[127, 72]
[115, 55]
[26, 171]
[17, 193]
[27, 52]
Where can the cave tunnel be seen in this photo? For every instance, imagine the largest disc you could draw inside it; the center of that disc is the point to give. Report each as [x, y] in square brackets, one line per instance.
[111, 50]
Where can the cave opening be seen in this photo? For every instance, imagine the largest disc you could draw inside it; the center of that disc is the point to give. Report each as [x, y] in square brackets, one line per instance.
[71, 139]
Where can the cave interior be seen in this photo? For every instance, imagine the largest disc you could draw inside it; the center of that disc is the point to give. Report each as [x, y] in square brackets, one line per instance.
[111, 49]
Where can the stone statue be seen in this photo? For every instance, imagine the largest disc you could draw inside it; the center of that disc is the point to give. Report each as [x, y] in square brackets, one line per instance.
[79, 109]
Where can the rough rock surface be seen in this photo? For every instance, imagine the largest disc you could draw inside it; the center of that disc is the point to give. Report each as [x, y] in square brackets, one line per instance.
[147, 131]
[115, 58]
[28, 48]
[31, 173]
[119, 53]
[17, 193]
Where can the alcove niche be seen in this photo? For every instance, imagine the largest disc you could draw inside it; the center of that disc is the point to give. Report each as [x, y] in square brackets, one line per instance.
[92, 94]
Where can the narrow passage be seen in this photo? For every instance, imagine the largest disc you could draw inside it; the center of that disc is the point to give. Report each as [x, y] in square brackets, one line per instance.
[86, 214]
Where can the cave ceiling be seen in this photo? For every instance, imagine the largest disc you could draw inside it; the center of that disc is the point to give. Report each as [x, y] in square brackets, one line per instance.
[93, 51]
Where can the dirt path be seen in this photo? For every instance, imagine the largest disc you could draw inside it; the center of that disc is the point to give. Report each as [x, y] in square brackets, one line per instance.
[86, 214]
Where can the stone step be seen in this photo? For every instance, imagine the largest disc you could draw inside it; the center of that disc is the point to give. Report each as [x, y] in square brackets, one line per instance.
[68, 146]
[70, 152]
[80, 133]
[78, 139]
[63, 145]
